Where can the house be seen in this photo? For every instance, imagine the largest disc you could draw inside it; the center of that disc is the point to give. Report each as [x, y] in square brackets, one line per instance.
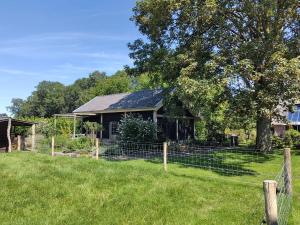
[293, 121]
[109, 110]
[7, 126]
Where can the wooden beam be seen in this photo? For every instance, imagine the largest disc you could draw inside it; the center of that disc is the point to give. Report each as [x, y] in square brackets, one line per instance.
[19, 142]
[155, 116]
[101, 120]
[97, 148]
[8, 134]
[175, 117]
[74, 126]
[165, 149]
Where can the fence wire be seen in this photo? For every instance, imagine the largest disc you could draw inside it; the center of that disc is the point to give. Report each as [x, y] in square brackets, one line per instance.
[284, 200]
[222, 160]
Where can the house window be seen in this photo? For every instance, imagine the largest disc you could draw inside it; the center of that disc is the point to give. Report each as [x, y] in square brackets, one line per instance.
[114, 127]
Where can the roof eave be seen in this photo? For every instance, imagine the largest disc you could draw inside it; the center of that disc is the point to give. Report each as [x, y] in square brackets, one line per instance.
[116, 110]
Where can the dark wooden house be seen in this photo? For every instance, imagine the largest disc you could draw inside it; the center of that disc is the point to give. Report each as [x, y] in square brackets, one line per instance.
[109, 110]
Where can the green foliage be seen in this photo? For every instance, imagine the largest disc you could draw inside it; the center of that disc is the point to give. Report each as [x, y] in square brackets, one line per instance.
[201, 130]
[291, 138]
[241, 55]
[277, 142]
[92, 128]
[85, 144]
[136, 129]
[51, 98]
[287, 140]
[245, 136]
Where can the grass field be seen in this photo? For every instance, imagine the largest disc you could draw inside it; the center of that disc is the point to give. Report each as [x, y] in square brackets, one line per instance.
[37, 189]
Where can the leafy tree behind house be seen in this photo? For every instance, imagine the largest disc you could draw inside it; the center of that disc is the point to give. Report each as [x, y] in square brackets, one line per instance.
[223, 57]
[54, 98]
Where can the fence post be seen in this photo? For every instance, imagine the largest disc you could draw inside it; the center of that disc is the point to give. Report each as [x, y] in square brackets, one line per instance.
[97, 148]
[8, 135]
[287, 171]
[270, 202]
[165, 155]
[33, 138]
[19, 142]
[52, 146]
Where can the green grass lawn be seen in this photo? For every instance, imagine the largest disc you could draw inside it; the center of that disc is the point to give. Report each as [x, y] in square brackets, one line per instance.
[38, 189]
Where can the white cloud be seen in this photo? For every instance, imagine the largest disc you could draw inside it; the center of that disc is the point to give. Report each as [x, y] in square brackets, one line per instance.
[17, 72]
[67, 36]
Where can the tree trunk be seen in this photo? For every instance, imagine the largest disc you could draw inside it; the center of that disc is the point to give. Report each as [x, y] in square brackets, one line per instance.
[263, 134]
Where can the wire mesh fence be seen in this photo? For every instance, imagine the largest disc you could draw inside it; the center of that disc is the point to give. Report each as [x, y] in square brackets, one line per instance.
[284, 200]
[224, 161]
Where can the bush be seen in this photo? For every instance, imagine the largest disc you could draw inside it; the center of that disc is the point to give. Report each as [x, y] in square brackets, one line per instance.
[66, 144]
[80, 144]
[277, 142]
[136, 129]
[92, 128]
[291, 138]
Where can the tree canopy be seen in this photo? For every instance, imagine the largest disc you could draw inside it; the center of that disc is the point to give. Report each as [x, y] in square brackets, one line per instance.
[233, 58]
[53, 97]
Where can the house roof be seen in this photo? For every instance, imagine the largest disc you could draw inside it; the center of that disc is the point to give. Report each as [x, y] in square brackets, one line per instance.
[140, 100]
[15, 122]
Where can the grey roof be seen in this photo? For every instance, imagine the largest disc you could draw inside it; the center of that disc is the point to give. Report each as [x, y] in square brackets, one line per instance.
[145, 99]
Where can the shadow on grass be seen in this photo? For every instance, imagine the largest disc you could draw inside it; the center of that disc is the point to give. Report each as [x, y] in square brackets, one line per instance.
[225, 162]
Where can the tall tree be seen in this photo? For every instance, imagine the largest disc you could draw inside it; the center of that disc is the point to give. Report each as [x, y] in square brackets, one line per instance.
[16, 107]
[243, 54]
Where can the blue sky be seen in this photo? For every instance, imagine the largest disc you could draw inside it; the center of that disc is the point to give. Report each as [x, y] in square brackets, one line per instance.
[60, 40]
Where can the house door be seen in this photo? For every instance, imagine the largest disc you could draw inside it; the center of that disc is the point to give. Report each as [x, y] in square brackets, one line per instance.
[113, 130]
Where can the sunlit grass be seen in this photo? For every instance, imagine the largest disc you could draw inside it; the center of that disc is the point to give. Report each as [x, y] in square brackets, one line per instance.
[38, 189]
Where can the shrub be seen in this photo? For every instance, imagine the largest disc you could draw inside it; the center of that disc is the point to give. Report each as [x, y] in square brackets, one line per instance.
[277, 142]
[92, 128]
[80, 144]
[66, 144]
[291, 138]
[136, 129]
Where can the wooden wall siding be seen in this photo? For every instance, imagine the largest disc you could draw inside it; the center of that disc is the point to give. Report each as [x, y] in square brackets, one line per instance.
[107, 118]
[186, 129]
[167, 128]
[3, 135]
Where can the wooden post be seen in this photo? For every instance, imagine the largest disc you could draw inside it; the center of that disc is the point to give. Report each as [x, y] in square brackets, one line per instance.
[74, 126]
[97, 148]
[270, 202]
[19, 142]
[52, 146]
[33, 138]
[165, 155]
[101, 120]
[288, 171]
[8, 134]
[155, 120]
